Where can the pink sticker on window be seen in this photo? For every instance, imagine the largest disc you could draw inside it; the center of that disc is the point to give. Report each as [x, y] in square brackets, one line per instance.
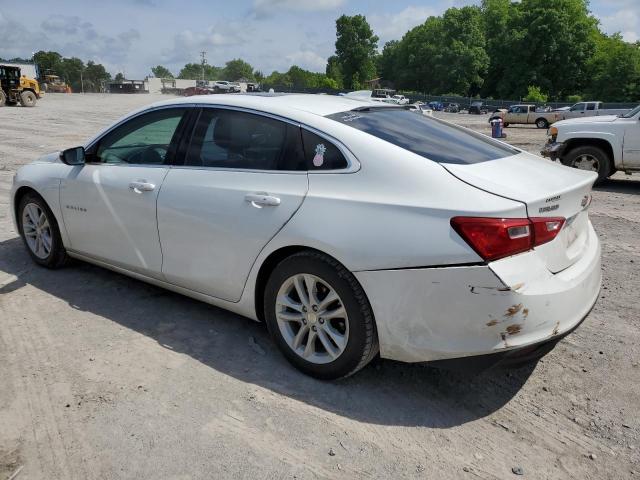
[318, 159]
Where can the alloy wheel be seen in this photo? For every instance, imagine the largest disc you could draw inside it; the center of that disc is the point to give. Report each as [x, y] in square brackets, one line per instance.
[312, 318]
[36, 230]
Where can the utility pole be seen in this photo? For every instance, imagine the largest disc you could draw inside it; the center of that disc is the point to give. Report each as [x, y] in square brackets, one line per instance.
[204, 62]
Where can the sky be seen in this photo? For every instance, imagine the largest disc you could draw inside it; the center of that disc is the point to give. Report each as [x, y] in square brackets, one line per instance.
[131, 36]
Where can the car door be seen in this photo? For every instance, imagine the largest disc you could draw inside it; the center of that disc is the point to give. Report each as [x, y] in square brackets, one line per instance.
[109, 203]
[631, 143]
[243, 178]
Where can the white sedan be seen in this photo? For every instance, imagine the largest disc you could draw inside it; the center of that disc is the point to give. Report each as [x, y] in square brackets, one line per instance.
[349, 227]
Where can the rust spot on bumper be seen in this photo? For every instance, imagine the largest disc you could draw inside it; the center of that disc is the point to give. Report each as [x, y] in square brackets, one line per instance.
[555, 329]
[512, 310]
[514, 329]
[525, 312]
[492, 322]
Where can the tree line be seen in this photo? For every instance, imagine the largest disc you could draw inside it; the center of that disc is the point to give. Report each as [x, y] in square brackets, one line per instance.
[543, 49]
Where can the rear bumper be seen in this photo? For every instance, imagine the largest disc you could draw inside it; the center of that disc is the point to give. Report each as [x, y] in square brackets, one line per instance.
[454, 312]
[552, 150]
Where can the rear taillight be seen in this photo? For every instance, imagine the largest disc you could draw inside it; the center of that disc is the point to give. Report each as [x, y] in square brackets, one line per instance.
[494, 238]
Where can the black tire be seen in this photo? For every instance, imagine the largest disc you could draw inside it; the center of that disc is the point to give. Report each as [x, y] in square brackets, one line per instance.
[3, 98]
[362, 344]
[542, 123]
[58, 255]
[603, 161]
[28, 99]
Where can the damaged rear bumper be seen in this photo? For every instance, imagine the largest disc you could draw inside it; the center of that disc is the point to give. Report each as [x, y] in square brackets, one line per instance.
[428, 314]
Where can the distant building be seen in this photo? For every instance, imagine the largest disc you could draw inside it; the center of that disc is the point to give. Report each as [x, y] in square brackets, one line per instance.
[128, 86]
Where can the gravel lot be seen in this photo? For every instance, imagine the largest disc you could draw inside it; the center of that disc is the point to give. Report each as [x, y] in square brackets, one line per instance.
[105, 377]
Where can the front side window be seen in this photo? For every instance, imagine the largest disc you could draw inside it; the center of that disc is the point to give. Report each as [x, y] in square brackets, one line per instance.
[240, 140]
[428, 137]
[591, 106]
[143, 140]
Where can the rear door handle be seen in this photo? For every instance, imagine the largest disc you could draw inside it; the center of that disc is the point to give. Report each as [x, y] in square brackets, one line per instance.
[260, 200]
[141, 186]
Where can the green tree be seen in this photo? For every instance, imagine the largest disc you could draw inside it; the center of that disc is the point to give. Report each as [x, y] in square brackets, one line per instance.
[258, 76]
[236, 69]
[355, 50]
[546, 43]
[496, 15]
[387, 61]
[48, 62]
[193, 71]
[333, 70]
[161, 72]
[614, 70]
[119, 78]
[95, 77]
[444, 54]
[72, 70]
[534, 94]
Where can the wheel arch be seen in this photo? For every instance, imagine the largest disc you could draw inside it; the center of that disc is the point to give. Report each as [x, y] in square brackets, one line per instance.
[601, 143]
[268, 266]
[19, 195]
[547, 122]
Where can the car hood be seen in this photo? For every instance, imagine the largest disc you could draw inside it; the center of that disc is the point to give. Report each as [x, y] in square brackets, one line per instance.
[601, 119]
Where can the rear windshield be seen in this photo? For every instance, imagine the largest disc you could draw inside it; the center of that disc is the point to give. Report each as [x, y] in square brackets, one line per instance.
[426, 136]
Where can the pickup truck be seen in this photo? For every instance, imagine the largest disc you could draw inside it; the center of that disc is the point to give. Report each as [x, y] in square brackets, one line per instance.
[603, 144]
[526, 114]
[588, 109]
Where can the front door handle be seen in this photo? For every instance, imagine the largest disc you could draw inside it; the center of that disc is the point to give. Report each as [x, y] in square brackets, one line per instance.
[260, 200]
[142, 186]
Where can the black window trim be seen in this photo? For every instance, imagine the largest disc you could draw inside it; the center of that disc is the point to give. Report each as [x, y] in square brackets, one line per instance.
[353, 165]
[183, 127]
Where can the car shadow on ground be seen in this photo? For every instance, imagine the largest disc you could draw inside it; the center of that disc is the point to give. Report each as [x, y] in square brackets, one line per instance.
[620, 185]
[385, 392]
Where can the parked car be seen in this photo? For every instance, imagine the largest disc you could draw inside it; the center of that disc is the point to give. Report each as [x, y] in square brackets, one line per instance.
[436, 106]
[526, 115]
[222, 86]
[198, 90]
[452, 108]
[421, 108]
[589, 109]
[478, 108]
[603, 144]
[401, 99]
[344, 225]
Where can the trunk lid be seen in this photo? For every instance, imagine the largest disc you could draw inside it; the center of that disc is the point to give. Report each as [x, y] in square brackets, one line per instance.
[548, 189]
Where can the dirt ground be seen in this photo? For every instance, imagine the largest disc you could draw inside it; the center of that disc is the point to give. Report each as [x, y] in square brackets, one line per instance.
[105, 377]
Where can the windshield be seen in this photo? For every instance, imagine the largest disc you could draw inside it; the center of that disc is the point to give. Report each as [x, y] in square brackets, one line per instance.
[428, 137]
[631, 113]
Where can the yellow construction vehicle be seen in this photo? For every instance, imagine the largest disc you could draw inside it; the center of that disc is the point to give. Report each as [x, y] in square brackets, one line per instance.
[54, 84]
[15, 88]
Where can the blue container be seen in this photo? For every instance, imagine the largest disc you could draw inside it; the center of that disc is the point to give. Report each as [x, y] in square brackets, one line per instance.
[496, 128]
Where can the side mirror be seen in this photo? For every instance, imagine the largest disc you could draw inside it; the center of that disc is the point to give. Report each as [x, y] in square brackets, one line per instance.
[73, 156]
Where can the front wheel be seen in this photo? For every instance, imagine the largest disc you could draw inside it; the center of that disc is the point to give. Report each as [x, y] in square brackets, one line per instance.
[589, 158]
[3, 98]
[40, 233]
[319, 317]
[28, 99]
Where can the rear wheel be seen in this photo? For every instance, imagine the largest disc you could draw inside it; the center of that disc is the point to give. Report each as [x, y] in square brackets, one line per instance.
[3, 98]
[542, 123]
[40, 232]
[590, 158]
[28, 98]
[319, 316]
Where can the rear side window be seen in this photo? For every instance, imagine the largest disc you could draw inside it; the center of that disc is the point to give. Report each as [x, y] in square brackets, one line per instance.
[321, 154]
[240, 140]
[425, 136]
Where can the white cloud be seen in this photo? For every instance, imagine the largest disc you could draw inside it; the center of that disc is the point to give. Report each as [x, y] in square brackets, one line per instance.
[308, 60]
[268, 8]
[392, 26]
[626, 21]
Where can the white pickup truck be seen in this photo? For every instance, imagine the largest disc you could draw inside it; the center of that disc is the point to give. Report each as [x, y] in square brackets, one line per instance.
[603, 144]
[589, 109]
